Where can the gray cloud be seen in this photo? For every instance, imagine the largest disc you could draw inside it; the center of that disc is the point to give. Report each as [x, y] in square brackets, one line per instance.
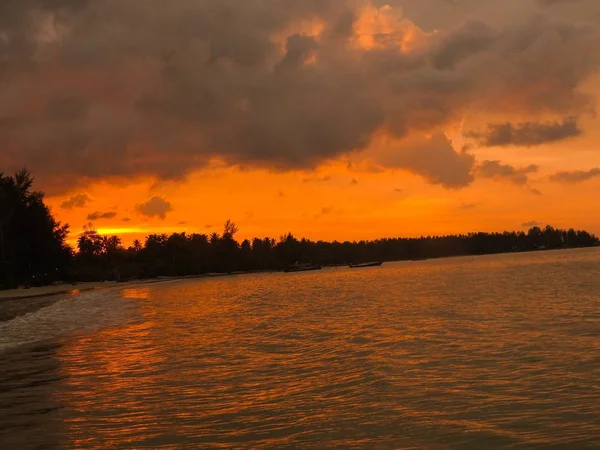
[155, 207]
[497, 170]
[527, 134]
[531, 224]
[435, 160]
[576, 176]
[78, 200]
[125, 88]
[101, 215]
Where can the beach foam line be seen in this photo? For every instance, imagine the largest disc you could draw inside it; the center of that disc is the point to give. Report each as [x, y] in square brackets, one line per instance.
[87, 312]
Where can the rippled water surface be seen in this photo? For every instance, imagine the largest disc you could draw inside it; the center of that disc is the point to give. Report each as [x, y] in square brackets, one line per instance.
[487, 352]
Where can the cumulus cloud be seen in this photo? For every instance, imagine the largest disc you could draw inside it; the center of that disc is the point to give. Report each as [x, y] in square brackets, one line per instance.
[101, 215]
[155, 207]
[497, 170]
[527, 134]
[434, 159]
[576, 176]
[76, 201]
[126, 88]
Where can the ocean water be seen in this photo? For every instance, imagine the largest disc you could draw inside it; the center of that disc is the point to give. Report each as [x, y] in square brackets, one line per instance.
[476, 352]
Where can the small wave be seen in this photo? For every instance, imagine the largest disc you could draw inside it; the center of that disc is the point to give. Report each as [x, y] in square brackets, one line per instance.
[83, 313]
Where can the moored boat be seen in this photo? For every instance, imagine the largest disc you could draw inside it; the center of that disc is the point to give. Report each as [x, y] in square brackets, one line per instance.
[365, 264]
[302, 267]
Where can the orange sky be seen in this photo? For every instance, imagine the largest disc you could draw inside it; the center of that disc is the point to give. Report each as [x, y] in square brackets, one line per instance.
[338, 202]
[416, 167]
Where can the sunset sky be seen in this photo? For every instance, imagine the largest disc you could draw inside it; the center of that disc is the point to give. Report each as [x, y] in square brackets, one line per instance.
[332, 119]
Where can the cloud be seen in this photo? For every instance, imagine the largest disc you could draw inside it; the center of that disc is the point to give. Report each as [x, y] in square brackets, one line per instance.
[466, 206]
[123, 91]
[535, 191]
[126, 219]
[499, 171]
[434, 159]
[531, 224]
[327, 211]
[527, 134]
[101, 215]
[316, 179]
[76, 201]
[353, 182]
[155, 207]
[576, 176]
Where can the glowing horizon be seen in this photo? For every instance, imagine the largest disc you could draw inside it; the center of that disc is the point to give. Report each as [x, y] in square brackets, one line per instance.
[346, 121]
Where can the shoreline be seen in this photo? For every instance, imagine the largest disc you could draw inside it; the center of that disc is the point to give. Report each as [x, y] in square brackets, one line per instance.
[61, 289]
[19, 302]
[79, 287]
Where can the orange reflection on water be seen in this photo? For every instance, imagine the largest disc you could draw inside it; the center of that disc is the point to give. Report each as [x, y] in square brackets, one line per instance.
[409, 353]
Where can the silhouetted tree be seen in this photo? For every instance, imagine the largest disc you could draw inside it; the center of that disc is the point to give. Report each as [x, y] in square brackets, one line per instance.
[32, 242]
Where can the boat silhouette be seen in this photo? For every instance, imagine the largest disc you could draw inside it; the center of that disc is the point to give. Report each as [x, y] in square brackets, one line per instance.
[365, 264]
[304, 267]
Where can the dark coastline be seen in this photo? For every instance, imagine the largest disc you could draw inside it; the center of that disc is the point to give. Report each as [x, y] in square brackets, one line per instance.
[12, 307]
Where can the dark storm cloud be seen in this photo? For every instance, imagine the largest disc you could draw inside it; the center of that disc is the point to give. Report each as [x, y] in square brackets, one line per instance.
[125, 88]
[101, 215]
[497, 170]
[470, 39]
[576, 176]
[527, 134]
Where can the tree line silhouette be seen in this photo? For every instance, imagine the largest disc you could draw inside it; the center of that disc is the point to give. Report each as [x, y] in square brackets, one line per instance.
[33, 247]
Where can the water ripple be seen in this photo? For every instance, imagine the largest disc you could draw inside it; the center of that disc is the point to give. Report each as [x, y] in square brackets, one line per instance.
[491, 352]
